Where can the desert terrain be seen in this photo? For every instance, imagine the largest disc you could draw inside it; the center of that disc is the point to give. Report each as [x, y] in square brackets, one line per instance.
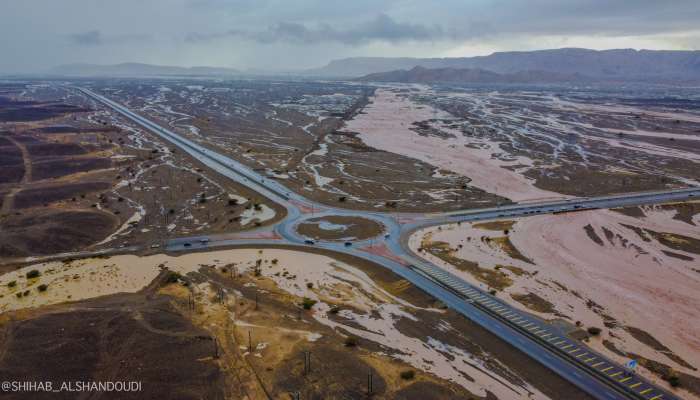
[259, 311]
[536, 145]
[631, 274]
[99, 217]
[76, 178]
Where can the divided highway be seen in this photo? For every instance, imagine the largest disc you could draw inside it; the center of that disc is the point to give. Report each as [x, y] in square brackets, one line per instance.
[571, 359]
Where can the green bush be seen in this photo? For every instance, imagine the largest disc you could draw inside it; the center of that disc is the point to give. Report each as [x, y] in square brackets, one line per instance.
[12, 284]
[173, 277]
[310, 285]
[42, 287]
[350, 341]
[335, 310]
[408, 374]
[593, 330]
[308, 303]
[674, 381]
[33, 274]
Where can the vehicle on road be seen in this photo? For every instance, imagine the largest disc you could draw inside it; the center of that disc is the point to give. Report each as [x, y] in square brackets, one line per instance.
[309, 241]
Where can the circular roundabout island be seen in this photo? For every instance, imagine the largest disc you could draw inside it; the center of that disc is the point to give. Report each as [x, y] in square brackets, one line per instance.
[339, 228]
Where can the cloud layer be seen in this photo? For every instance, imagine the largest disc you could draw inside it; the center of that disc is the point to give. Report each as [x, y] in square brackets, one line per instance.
[381, 28]
[279, 34]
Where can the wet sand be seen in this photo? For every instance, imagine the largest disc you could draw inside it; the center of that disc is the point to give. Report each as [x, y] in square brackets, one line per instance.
[385, 125]
[630, 278]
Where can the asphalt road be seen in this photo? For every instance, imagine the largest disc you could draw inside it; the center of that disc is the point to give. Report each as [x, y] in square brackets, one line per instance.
[571, 359]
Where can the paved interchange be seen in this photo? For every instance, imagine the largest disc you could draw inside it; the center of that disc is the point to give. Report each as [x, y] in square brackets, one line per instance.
[545, 343]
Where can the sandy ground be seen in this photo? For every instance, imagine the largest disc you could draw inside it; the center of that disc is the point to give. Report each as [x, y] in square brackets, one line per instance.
[385, 124]
[368, 311]
[630, 279]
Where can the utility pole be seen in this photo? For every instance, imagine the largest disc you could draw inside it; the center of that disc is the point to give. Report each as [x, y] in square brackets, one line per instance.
[307, 362]
[369, 383]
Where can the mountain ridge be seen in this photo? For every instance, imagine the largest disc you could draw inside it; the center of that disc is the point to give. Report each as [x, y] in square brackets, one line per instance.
[471, 75]
[615, 64]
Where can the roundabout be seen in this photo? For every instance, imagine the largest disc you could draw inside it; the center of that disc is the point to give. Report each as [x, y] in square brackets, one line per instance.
[339, 228]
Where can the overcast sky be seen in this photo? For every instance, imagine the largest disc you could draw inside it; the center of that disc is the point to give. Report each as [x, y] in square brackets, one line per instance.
[295, 34]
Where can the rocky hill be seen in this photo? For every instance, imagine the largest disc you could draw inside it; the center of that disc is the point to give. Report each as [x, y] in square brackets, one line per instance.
[620, 65]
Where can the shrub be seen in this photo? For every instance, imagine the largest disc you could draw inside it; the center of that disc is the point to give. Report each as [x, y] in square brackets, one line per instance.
[310, 285]
[674, 381]
[42, 287]
[33, 274]
[308, 303]
[594, 330]
[408, 374]
[350, 341]
[335, 310]
[18, 294]
[173, 277]
[12, 284]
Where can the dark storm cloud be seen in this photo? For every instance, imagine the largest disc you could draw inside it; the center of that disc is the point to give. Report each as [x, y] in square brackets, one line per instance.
[96, 38]
[418, 20]
[381, 28]
[89, 38]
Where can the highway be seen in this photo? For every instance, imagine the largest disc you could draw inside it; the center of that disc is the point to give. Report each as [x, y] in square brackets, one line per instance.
[571, 359]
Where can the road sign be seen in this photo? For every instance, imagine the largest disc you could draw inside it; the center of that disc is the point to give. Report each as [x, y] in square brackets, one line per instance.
[631, 365]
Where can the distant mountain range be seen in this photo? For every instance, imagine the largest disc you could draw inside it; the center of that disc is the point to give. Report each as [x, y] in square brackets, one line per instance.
[138, 70]
[618, 65]
[557, 65]
[470, 75]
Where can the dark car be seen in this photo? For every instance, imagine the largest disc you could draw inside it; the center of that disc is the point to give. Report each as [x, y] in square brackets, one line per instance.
[309, 241]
